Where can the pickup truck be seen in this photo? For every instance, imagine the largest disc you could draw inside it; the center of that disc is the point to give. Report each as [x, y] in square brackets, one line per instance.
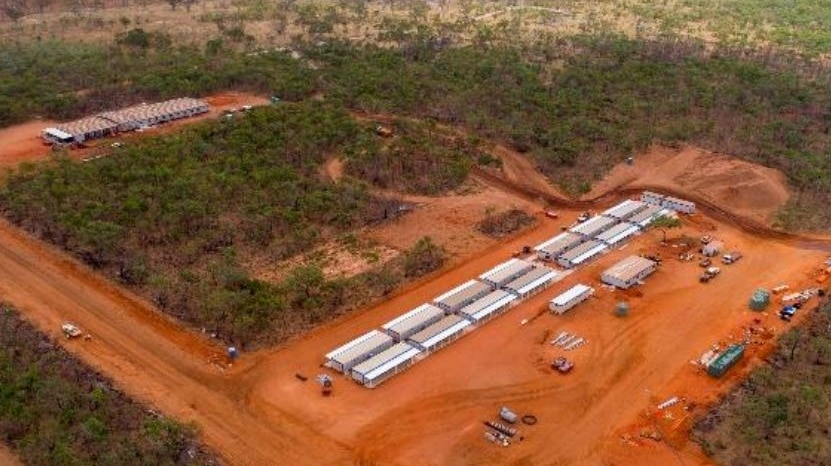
[731, 258]
[787, 313]
[709, 274]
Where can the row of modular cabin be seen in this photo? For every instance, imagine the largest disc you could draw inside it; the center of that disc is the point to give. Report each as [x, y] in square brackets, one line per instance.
[413, 321]
[581, 254]
[532, 282]
[625, 209]
[668, 202]
[440, 333]
[127, 119]
[462, 295]
[618, 234]
[570, 298]
[349, 355]
[489, 306]
[594, 226]
[385, 364]
[628, 272]
[645, 217]
[505, 272]
[551, 249]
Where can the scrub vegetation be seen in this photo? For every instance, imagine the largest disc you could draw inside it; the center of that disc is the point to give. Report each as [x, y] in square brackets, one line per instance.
[173, 216]
[779, 416]
[56, 411]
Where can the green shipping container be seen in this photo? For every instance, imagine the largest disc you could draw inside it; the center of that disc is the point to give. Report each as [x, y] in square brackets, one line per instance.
[731, 356]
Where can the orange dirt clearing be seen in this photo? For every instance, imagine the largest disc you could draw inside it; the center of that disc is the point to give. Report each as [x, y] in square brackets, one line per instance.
[743, 188]
[432, 413]
[7, 458]
[22, 143]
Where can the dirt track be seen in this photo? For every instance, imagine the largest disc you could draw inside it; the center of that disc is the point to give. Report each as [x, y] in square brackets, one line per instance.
[147, 354]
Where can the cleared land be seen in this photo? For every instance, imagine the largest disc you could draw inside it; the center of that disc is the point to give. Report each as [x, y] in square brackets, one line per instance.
[258, 411]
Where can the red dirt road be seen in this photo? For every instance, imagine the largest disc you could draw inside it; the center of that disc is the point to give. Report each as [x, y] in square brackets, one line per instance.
[149, 356]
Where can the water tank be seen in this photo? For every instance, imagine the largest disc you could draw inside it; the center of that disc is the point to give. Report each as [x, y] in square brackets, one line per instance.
[759, 300]
[622, 309]
[507, 415]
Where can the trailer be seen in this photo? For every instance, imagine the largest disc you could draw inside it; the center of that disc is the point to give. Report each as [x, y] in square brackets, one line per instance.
[532, 282]
[345, 357]
[413, 322]
[488, 307]
[506, 272]
[571, 298]
[726, 360]
[628, 272]
[554, 247]
[440, 334]
[384, 365]
[462, 295]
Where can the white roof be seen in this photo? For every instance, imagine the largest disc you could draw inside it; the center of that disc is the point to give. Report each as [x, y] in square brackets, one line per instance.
[570, 294]
[385, 360]
[589, 254]
[580, 249]
[442, 329]
[532, 280]
[414, 318]
[629, 268]
[57, 133]
[619, 233]
[624, 209]
[361, 345]
[645, 215]
[488, 304]
[505, 270]
[462, 292]
[591, 226]
[562, 237]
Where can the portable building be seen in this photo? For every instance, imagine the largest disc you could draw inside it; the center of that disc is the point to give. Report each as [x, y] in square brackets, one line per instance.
[440, 334]
[87, 128]
[679, 205]
[668, 202]
[385, 364]
[489, 306]
[54, 135]
[413, 321]
[572, 297]
[618, 234]
[532, 282]
[462, 295]
[713, 248]
[551, 249]
[643, 218]
[726, 360]
[358, 350]
[628, 272]
[581, 253]
[594, 226]
[625, 209]
[505, 272]
[143, 115]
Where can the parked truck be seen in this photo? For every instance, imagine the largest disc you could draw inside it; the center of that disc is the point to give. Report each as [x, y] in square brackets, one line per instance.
[709, 274]
[731, 258]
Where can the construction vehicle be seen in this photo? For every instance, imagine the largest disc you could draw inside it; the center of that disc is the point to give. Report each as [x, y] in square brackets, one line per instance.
[731, 258]
[383, 131]
[325, 384]
[562, 365]
[71, 330]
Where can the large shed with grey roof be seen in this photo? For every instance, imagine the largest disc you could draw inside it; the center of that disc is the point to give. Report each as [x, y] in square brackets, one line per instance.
[462, 295]
[345, 357]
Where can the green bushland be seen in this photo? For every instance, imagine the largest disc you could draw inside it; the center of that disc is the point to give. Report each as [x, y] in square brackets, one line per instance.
[54, 410]
[175, 216]
[577, 106]
[779, 416]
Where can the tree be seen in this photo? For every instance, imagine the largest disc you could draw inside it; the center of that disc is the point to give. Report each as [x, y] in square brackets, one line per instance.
[424, 257]
[664, 223]
[14, 9]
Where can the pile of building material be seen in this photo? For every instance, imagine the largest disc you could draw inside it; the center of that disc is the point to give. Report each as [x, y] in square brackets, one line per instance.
[568, 341]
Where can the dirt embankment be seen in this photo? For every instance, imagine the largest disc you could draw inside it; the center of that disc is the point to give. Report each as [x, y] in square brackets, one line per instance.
[743, 188]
